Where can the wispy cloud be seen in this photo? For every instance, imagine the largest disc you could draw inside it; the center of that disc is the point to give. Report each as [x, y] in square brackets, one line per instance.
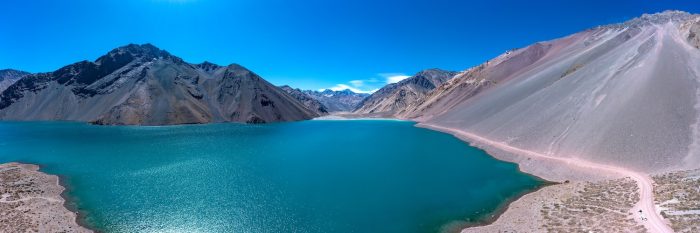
[396, 79]
[357, 83]
[393, 77]
[340, 87]
[373, 83]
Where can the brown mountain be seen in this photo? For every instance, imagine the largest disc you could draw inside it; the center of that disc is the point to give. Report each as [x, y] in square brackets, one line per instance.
[9, 76]
[308, 101]
[144, 85]
[395, 98]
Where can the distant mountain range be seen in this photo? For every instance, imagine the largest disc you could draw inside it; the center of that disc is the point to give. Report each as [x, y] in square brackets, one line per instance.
[9, 76]
[395, 98]
[308, 101]
[328, 101]
[338, 101]
[144, 85]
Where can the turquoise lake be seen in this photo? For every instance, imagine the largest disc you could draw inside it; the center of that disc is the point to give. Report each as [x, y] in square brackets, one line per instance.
[311, 176]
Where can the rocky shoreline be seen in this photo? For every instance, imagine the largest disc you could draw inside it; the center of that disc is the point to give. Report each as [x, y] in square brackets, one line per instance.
[571, 207]
[586, 193]
[32, 201]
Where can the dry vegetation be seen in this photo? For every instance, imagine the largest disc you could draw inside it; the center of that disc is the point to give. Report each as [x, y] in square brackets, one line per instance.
[30, 201]
[678, 195]
[597, 207]
[603, 206]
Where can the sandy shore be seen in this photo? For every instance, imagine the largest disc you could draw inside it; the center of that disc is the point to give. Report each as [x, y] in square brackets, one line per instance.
[31, 201]
[567, 170]
[571, 207]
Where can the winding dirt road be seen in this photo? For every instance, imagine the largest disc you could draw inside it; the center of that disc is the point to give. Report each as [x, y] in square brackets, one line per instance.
[2, 200]
[654, 222]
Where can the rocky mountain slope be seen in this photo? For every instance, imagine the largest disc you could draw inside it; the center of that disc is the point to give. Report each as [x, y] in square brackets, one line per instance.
[338, 101]
[144, 85]
[327, 101]
[308, 101]
[9, 76]
[626, 95]
[395, 98]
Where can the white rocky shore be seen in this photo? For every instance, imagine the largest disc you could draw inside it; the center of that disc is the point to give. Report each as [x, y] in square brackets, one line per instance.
[30, 201]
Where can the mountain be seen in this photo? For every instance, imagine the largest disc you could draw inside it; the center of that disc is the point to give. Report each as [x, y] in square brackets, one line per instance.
[9, 76]
[396, 97]
[326, 101]
[144, 85]
[625, 94]
[337, 101]
[308, 101]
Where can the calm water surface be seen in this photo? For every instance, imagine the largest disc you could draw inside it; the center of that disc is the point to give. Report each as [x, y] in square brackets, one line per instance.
[312, 176]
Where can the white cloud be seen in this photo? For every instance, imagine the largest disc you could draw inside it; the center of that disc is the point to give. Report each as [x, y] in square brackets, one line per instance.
[357, 83]
[340, 87]
[375, 83]
[393, 77]
[396, 79]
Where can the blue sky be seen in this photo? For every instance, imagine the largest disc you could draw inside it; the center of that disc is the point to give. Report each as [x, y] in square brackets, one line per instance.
[311, 44]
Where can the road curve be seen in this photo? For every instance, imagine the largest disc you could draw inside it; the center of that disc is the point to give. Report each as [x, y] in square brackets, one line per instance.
[654, 222]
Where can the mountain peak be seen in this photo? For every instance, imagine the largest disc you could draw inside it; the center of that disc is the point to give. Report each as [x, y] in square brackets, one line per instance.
[667, 15]
[129, 52]
[670, 13]
[144, 85]
[396, 97]
[432, 71]
[208, 66]
[11, 73]
[9, 70]
[207, 63]
[429, 78]
[659, 18]
[143, 50]
[10, 76]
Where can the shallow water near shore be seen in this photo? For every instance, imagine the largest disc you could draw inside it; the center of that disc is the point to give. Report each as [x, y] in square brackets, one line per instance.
[311, 176]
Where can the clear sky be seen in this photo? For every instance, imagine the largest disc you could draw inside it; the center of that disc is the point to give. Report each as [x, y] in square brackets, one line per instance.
[311, 44]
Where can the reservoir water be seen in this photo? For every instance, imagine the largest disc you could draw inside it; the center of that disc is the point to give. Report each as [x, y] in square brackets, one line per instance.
[312, 176]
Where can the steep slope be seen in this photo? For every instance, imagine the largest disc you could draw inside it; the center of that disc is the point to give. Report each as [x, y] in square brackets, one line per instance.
[338, 101]
[9, 76]
[625, 95]
[143, 85]
[308, 101]
[395, 98]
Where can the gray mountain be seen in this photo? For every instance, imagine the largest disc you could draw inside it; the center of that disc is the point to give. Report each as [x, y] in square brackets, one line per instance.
[623, 94]
[308, 101]
[396, 97]
[338, 101]
[144, 85]
[9, 76]
[327, 101]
